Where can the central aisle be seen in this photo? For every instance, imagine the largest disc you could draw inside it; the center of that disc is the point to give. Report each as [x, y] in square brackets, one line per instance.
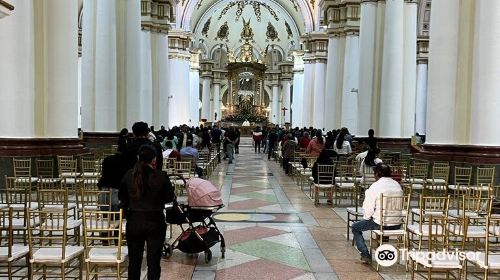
[272, 230]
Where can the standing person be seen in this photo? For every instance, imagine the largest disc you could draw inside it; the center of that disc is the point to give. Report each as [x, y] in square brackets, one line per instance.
[257, 138]
[237, 143]
[141, 132]
[287, 150]
[371, 208]
[264, 139]
[272, 139]
[143, 193]
[230, 140]
[123, 140]
[216, 135]
[371, 141]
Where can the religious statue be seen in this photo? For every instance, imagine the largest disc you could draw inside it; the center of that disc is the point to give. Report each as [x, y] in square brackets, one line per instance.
[246, 123]
[246, 54]
[247, 32]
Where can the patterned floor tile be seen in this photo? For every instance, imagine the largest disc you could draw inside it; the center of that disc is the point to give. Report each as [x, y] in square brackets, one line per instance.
[245, 189]
[258, 270]
[275, 252]
[260, 196]
[248, 204]
[287, 239]
[237, 236]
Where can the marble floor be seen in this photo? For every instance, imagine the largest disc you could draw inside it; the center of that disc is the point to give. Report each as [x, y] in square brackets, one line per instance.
[273, 231]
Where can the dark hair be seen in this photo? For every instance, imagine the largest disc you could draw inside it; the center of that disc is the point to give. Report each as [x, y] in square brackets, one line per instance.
[319, 136]
[124, 132]
[382, 170]
[140, 129]
[146, 154]
[169, 144]
[371, 132]
[340, 140]
[370, 156]
[324, 157]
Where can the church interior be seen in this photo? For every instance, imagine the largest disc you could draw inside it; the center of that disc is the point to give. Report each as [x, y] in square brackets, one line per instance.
[422, 74]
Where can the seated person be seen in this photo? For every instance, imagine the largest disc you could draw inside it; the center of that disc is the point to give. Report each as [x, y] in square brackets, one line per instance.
[170, 152]
[371, 208]
[323, 158]
[190, 152]
[369, 162]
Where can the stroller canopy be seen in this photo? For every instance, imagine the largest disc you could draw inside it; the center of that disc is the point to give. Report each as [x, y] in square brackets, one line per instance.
[202, 193]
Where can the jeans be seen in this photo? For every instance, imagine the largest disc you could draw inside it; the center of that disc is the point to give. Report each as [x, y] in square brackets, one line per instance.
[150, 228]
[257, 146]
[364, 225]
[230, 151]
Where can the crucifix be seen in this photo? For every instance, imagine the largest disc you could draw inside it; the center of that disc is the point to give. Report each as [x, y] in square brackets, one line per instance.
[284, 109]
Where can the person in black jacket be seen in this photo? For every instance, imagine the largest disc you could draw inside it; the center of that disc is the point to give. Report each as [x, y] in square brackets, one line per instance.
[141, 131]
[323, 158]
[143, 193]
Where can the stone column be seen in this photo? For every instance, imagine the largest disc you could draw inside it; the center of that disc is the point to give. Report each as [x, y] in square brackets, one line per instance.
[410, 69]
[392, 70]
[194, 92]
[206, 78]
[179, 57]
[275, 108]
[145, 104]
[351, 64]
[298, 87]
[17, 72]
[99, 76]
[160, 78]
[56, 68]
[443, 53]
[307, 91]
[485, 102]
[218, 75]
[319, 45]
[367, 39]
[286, 69]
[421, 99]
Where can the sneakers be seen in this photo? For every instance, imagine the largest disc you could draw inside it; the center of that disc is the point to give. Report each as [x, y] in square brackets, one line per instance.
[366, 259]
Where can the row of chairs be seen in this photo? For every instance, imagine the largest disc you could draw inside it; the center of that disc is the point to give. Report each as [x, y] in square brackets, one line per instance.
[48, 253]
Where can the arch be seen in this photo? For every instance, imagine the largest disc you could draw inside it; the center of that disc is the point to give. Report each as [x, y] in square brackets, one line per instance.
[304, 10]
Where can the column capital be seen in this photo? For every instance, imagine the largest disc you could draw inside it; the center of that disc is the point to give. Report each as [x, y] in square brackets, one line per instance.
[316, 45]
[206, 67]
[273, 76]
[155, 15]
[343, 17]
[194, 63]
[219, 75]
[178, 44]
[422, 50]
[286, 69]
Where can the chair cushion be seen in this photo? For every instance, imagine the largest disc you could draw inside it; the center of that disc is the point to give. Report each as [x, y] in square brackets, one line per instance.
[456, 213]
[323, 186]
[472, 231]
[25, 179]
[436, 181]
[395, 232]
[427, 259]
[436, 229]
[417, 186]
[54, 254]
[107, 255]
[479, 258]
[17, 252]
[345, 185]
[458, 187]
[426, 212]
[352, 210]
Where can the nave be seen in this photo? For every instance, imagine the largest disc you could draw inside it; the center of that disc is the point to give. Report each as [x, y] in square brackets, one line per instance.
[273, 230]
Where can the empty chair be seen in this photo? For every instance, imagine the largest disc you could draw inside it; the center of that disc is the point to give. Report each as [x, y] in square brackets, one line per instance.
[10, 253]
[438, 183]
[324, 182]
[484, 180]
[103, 244]
[461, 183]
[22, 169]
[49, 248]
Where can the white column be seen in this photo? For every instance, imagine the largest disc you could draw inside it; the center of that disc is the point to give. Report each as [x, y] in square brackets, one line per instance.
[17, 72]
[367, 38]
[391, 94]
[56, 27]
[350, 83]
[298, 87]
[194, 92]
[485, 112]
[334, 81]
[307, 93]
[443, 53]
[275, 109]
[205, 98]
[99, 66]
[216, 101]
[146, 79]
[319, 94]
[421, 100]
[285, 93]
[410, 69]
[132, 62]
[159, 55]
[179, 104]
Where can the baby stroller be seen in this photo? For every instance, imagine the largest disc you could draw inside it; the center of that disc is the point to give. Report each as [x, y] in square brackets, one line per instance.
[204, 199]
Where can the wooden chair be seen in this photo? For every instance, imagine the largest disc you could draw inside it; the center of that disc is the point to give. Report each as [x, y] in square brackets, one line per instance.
[22, 169]
[485, 177]
[103, 244]
[461, 184]
[438, 183]
[48, 246]
[487, 258]
[10, 253]
[325, 182]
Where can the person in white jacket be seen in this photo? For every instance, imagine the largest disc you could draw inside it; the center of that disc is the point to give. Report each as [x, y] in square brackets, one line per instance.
[371, 208]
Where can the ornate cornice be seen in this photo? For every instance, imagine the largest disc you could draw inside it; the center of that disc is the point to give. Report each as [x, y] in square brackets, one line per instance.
[343, 17]
[156, 15]
[422, 50]
[286, 69]
[206, 67]
[218, 75]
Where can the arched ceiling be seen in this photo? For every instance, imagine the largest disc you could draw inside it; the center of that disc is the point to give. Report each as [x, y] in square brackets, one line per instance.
[223, 23]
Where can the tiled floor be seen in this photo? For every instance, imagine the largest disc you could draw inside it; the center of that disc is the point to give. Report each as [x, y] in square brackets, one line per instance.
[272, 231]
